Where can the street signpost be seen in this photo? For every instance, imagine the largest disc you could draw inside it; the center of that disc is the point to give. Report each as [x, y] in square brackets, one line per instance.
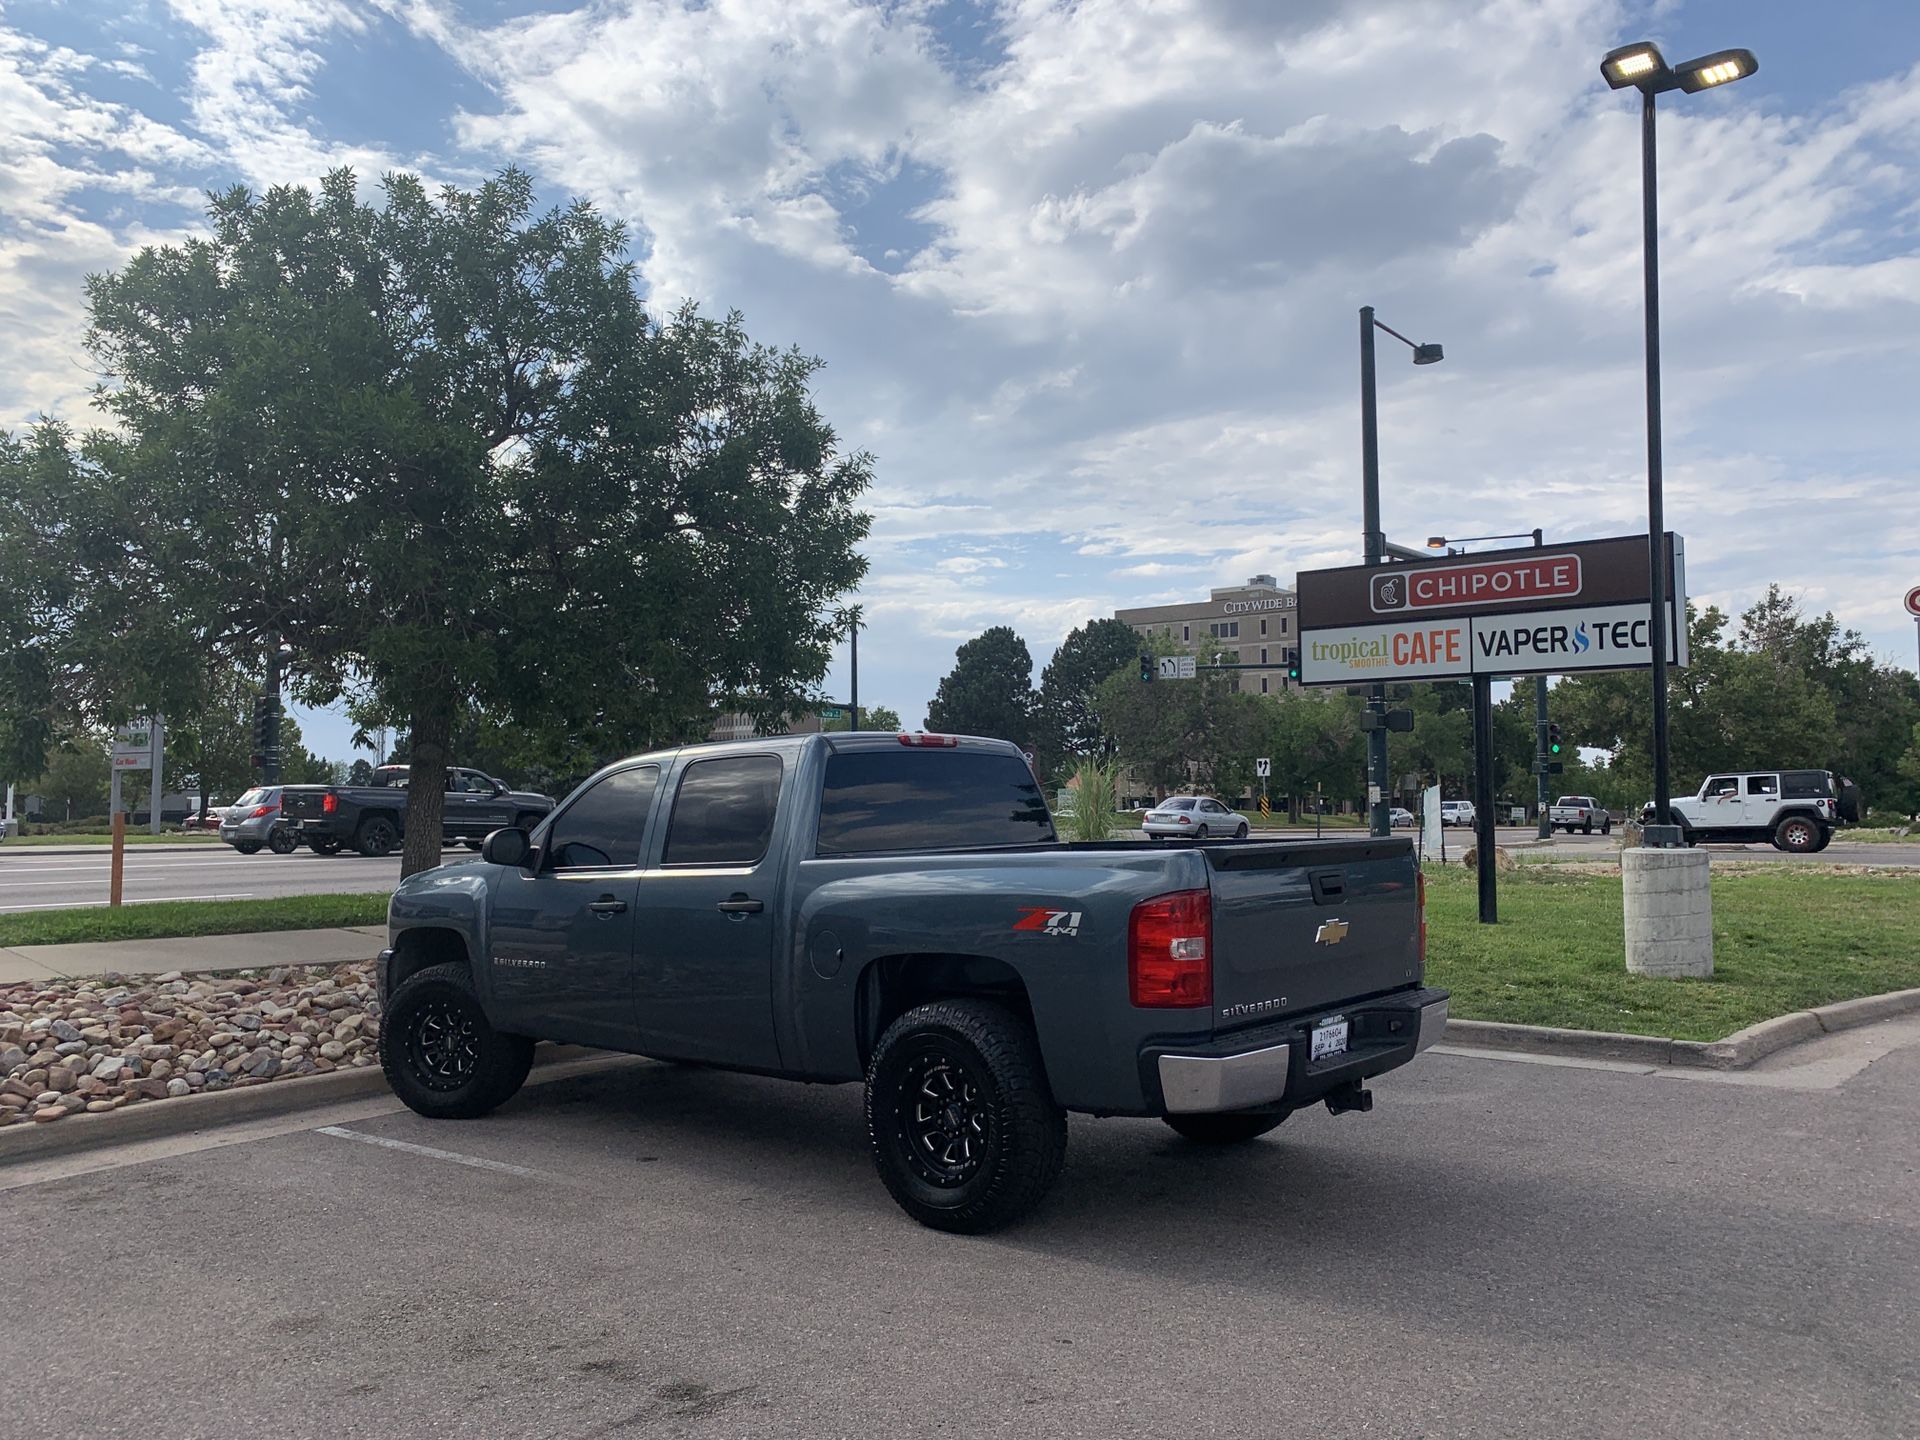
[1913, 609]
[1541, 610]
[1263, 767]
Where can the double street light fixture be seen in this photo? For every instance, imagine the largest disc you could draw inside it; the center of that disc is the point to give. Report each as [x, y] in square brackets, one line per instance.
[1641, 67]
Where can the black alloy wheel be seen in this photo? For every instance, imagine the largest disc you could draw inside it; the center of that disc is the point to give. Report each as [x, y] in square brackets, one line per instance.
[946, 1126]
[376, 838]
[965, 1132]
[441, 1054]
[282, 841]
[443, 1044]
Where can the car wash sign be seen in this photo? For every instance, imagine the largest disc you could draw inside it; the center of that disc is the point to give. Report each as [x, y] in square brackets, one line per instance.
[1550, 610]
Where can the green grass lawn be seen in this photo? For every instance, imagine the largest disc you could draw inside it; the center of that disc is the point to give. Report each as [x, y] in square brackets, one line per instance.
[1865, 835]
[1784, 940]
[167, 837]
[192, 917]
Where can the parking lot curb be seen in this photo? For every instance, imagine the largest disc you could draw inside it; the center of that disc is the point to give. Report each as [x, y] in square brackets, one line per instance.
[1736, 1052]
[27, 1140]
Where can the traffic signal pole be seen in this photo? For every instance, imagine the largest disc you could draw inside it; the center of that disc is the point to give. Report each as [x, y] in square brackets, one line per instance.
[270, 724]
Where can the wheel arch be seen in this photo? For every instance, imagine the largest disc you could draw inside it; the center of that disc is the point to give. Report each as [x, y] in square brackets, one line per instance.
[891, 985]
[421, 946]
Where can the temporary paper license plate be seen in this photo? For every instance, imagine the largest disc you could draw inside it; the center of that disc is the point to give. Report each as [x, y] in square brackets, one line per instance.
[1329, 1038]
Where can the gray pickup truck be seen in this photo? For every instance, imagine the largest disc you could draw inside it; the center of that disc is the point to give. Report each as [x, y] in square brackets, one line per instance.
[897, 910]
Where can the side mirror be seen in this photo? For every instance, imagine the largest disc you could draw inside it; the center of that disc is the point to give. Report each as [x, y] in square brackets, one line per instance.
[506, 847]
[499, 787]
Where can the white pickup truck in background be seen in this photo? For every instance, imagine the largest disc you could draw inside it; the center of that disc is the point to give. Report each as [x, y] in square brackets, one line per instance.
[1582, 813]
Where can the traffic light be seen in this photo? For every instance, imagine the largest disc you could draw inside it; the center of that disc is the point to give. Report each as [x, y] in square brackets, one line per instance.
[1553, 739]
[262, 722]
[1292, 658]
[1146, 669]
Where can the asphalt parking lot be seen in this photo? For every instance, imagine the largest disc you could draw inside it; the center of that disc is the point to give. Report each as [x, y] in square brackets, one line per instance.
[1502, 1248]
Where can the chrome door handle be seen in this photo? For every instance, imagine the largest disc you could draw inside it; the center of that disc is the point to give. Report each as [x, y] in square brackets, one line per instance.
[607, 905]
[740, 905]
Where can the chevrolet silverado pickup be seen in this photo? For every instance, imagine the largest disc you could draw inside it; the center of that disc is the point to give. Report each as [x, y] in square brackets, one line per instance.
[897, 911]
[370, 818]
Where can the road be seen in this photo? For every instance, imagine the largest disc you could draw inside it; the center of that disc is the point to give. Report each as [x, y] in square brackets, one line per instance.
[31, 879]
[1503, 1248]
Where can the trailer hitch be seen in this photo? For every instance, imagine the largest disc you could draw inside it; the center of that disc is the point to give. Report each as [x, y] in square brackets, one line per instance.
[1352, 1096]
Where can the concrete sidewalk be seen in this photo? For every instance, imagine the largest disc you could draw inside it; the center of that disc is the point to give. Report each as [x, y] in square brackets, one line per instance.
[192, 952]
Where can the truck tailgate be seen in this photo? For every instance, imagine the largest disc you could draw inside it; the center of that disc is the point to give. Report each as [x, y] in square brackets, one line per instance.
[302, 804]
[1306, 925]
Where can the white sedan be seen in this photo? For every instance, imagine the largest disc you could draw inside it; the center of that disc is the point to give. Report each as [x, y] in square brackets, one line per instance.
[1196, 817]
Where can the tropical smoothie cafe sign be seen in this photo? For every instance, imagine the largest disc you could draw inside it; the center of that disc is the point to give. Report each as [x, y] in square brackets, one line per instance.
[1549, 610]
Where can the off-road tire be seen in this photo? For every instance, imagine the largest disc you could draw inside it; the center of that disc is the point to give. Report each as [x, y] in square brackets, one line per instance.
[1826, 839]
[1797, 835]
[1232, 1127]
[992, 1063]
[324, 844]
[412, 1032]
[376, 837]
[247, 847]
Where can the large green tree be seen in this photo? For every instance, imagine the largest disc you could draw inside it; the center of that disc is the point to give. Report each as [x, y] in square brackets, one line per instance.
[436, 445]
[1177, 734]
[1066, 718]
[989, 691]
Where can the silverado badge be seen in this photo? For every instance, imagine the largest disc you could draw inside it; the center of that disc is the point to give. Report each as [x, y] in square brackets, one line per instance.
[1331, 932]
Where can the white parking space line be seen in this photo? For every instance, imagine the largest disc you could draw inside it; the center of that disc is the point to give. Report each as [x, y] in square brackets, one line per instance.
[432, 1154]
[150, 900]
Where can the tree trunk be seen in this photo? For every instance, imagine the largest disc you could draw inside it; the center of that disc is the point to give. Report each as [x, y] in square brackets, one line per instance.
[426, 785]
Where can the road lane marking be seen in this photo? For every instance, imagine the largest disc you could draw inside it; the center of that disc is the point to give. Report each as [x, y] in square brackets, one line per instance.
[432, 1154]
[153, 900]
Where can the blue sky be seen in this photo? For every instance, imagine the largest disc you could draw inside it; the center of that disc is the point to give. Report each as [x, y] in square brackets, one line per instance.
[1085, 275]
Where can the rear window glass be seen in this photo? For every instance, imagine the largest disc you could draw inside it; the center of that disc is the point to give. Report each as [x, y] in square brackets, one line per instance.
[1178, 805]
[1805, 784]
[723, 814]
[929, 800]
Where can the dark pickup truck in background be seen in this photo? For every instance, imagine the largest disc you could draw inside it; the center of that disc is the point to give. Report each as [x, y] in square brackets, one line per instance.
[370, 818]
[897, 910]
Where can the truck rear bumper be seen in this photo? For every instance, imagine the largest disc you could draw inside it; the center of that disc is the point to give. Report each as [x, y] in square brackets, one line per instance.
[1271, 1068]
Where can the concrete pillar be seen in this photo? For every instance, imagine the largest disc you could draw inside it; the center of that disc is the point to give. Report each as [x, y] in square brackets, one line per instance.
[1669, 910]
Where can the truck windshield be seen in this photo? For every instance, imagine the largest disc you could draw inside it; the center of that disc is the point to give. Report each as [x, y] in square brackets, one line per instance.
[876, 800]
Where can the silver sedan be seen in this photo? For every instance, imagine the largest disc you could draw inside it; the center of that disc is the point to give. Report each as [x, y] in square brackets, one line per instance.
[1193, 816]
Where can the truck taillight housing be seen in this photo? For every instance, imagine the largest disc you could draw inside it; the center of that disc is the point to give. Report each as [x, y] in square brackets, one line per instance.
[1170, 951]
[329, 803]
[1420, 892]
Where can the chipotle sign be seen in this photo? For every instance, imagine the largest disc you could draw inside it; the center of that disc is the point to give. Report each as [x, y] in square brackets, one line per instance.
[1591, 572]
[1479, 584]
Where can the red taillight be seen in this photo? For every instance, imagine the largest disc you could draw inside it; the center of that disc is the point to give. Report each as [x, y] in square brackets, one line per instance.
[1170, 950]
[948, 741]
[1184, 820]
[260, 810]
[329, 803]
[1420, 888]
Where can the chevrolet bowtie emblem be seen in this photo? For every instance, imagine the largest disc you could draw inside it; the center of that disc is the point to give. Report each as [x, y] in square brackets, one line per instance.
[1332, 932]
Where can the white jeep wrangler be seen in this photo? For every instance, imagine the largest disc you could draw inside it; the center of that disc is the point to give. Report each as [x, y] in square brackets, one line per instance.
[1794, 810]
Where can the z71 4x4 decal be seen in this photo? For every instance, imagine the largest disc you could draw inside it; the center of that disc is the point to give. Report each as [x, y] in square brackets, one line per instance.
[1050, 922]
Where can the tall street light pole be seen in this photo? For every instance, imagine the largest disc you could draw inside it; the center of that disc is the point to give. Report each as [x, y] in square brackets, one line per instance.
[1378, 820]
[1641, 66]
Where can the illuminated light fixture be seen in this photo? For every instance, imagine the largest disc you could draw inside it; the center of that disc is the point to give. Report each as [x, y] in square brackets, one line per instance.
[1640, 64]
[1720, 68]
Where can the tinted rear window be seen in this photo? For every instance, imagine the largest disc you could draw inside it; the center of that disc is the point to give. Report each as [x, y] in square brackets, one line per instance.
[1805, 784]
[929, 800]
[724, 812]
[1178, 805]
